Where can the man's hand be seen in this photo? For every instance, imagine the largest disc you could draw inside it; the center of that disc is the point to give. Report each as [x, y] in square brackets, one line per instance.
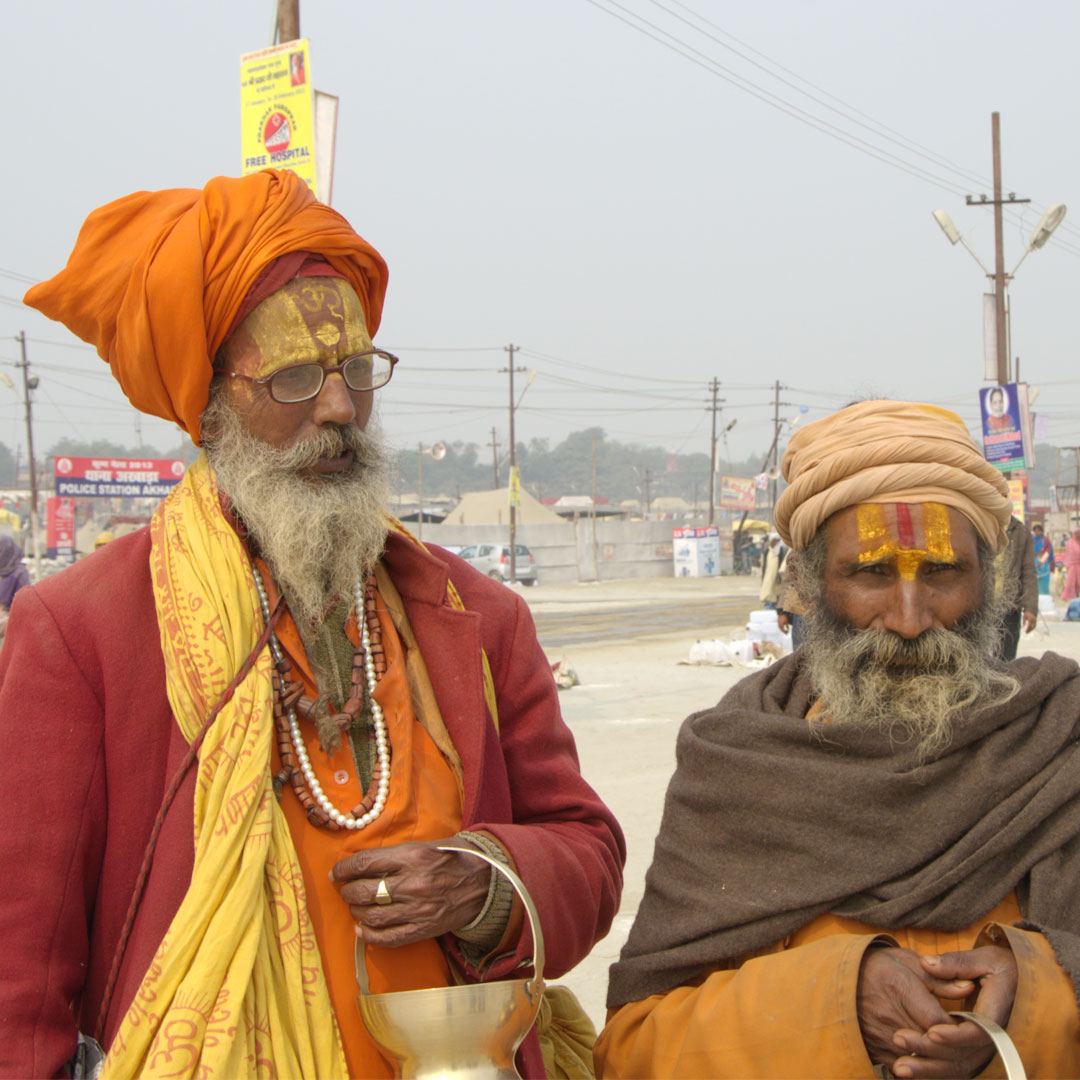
[432, 892]
[1029, 619]
[952, 1049]
[783, 621]
[896, 993]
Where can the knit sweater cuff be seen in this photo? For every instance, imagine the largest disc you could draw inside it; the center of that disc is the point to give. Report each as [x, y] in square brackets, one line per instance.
[487, 929]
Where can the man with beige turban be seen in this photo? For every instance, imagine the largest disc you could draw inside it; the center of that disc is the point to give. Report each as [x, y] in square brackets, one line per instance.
[234, 743]
[883, 828]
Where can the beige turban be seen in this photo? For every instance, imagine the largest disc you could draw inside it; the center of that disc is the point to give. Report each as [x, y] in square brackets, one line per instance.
[889, 452]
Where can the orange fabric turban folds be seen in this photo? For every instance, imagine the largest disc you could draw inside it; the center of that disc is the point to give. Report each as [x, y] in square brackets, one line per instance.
[156, 279]
[889, 452]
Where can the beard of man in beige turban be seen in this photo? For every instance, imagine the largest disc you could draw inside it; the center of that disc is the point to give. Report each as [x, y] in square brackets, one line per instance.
[895, 519]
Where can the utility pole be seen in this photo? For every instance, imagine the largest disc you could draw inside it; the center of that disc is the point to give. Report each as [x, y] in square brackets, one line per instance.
[595, 545]
[511, 349]
[716, 402]
[29, 383]
[420, 489]
[494, 461]
[648, 501]
[1000, 318]
[775, 450]
[288, 20]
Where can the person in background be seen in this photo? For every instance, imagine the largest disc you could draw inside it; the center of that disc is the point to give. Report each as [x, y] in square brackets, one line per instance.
[1072, 568]
[1018, 581]
[772, 565]
[103, 539]
[13, 572]
[1044, 559]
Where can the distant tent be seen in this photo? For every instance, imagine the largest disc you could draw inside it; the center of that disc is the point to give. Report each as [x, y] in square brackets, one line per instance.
[493, 508]
[669, 503]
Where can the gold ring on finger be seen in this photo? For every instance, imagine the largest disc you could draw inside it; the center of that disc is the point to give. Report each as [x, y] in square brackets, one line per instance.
[382, 894]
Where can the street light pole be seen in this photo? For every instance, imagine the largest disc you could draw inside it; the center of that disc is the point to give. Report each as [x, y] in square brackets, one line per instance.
[438, 452]
[1001, 337]
[29, 384]
[1049, 221]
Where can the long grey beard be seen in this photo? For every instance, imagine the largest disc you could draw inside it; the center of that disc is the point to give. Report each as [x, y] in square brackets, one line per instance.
[319, 535]
[913, 690]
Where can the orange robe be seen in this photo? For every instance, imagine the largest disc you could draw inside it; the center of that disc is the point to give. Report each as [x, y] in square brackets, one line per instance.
[789, 1010]
[424, 803]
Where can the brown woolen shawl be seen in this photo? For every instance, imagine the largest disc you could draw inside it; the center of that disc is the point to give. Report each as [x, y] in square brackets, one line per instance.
[771, 821]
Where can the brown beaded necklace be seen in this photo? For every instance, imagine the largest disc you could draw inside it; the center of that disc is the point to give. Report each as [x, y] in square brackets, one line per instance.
[289, 693]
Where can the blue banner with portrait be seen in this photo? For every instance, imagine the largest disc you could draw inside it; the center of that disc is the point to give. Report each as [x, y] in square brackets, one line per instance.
[1006, 426]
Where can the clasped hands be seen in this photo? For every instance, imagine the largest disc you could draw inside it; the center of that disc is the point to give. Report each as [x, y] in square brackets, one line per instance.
[431, 892]
[906, 1028]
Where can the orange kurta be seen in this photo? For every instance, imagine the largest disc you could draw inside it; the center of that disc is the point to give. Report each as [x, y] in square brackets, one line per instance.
[424, 803]
[789, 1010]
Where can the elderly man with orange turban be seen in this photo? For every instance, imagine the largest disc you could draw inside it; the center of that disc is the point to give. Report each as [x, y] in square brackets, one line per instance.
[882, 830]
[233, 742]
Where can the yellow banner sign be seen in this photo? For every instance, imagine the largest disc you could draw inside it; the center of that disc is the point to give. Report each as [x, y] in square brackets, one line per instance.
[1016, 493]
[277, 116]
[515, 487]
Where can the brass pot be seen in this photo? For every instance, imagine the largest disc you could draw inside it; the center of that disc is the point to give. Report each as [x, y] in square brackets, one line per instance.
[458, 1031]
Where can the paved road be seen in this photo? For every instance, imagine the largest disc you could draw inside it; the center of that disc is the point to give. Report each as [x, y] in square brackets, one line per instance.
[574, 624]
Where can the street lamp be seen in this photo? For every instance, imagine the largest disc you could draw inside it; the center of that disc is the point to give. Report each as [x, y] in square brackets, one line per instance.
[1050, 220]
[438, 452]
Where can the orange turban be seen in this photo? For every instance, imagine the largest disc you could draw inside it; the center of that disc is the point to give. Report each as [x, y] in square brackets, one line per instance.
[889, 452]
[156, 279]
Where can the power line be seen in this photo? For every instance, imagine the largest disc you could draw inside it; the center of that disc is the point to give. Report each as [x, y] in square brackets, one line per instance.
[877, 129]
[526, 351]
[881, 131]
[714, 67]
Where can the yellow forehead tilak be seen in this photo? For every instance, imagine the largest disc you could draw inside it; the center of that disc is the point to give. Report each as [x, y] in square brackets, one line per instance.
[883, 539]
[308, 319]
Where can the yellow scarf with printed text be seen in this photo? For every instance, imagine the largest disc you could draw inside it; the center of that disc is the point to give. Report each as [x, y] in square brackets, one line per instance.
[236, 988]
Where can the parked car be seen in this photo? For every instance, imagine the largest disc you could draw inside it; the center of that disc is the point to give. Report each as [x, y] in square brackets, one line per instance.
[494, 560]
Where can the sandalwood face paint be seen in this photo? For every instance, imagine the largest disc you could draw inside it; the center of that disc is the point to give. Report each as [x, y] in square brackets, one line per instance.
[318, 319]
[909, 533]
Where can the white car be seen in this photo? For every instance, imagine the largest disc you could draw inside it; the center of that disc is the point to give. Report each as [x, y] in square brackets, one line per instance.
[494, 560]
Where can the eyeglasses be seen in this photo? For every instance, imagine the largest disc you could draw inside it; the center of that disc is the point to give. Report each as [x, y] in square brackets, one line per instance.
[301, 382]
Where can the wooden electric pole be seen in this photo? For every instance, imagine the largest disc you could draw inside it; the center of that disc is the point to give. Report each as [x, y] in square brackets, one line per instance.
[775, 451]
[288, 20]
[420, 490]
[595, 545]
[716, 402]
[511, 349]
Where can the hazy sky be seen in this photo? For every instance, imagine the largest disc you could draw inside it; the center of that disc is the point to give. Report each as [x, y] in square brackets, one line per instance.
[545, 174]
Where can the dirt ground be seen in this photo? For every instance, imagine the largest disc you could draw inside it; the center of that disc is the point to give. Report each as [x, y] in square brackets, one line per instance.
[633, 696]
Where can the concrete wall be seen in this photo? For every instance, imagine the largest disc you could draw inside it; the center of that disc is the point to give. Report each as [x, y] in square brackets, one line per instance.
[566, 551]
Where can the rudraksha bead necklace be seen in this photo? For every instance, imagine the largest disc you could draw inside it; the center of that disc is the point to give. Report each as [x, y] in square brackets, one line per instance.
[369, 663]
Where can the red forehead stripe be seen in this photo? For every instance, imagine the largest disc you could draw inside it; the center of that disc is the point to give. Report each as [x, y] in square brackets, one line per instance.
[905, 530]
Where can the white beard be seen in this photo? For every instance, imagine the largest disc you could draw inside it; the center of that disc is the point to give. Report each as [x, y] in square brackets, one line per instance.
[915, 690]
[319, 535]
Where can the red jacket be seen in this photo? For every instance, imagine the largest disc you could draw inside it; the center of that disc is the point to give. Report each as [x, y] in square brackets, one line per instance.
[88, 746]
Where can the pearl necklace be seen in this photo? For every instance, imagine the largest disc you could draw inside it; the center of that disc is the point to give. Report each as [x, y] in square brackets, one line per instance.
[382, 744]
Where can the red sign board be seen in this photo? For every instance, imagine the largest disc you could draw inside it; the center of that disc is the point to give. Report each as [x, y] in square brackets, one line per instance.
[59, 525]
[85, 477]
